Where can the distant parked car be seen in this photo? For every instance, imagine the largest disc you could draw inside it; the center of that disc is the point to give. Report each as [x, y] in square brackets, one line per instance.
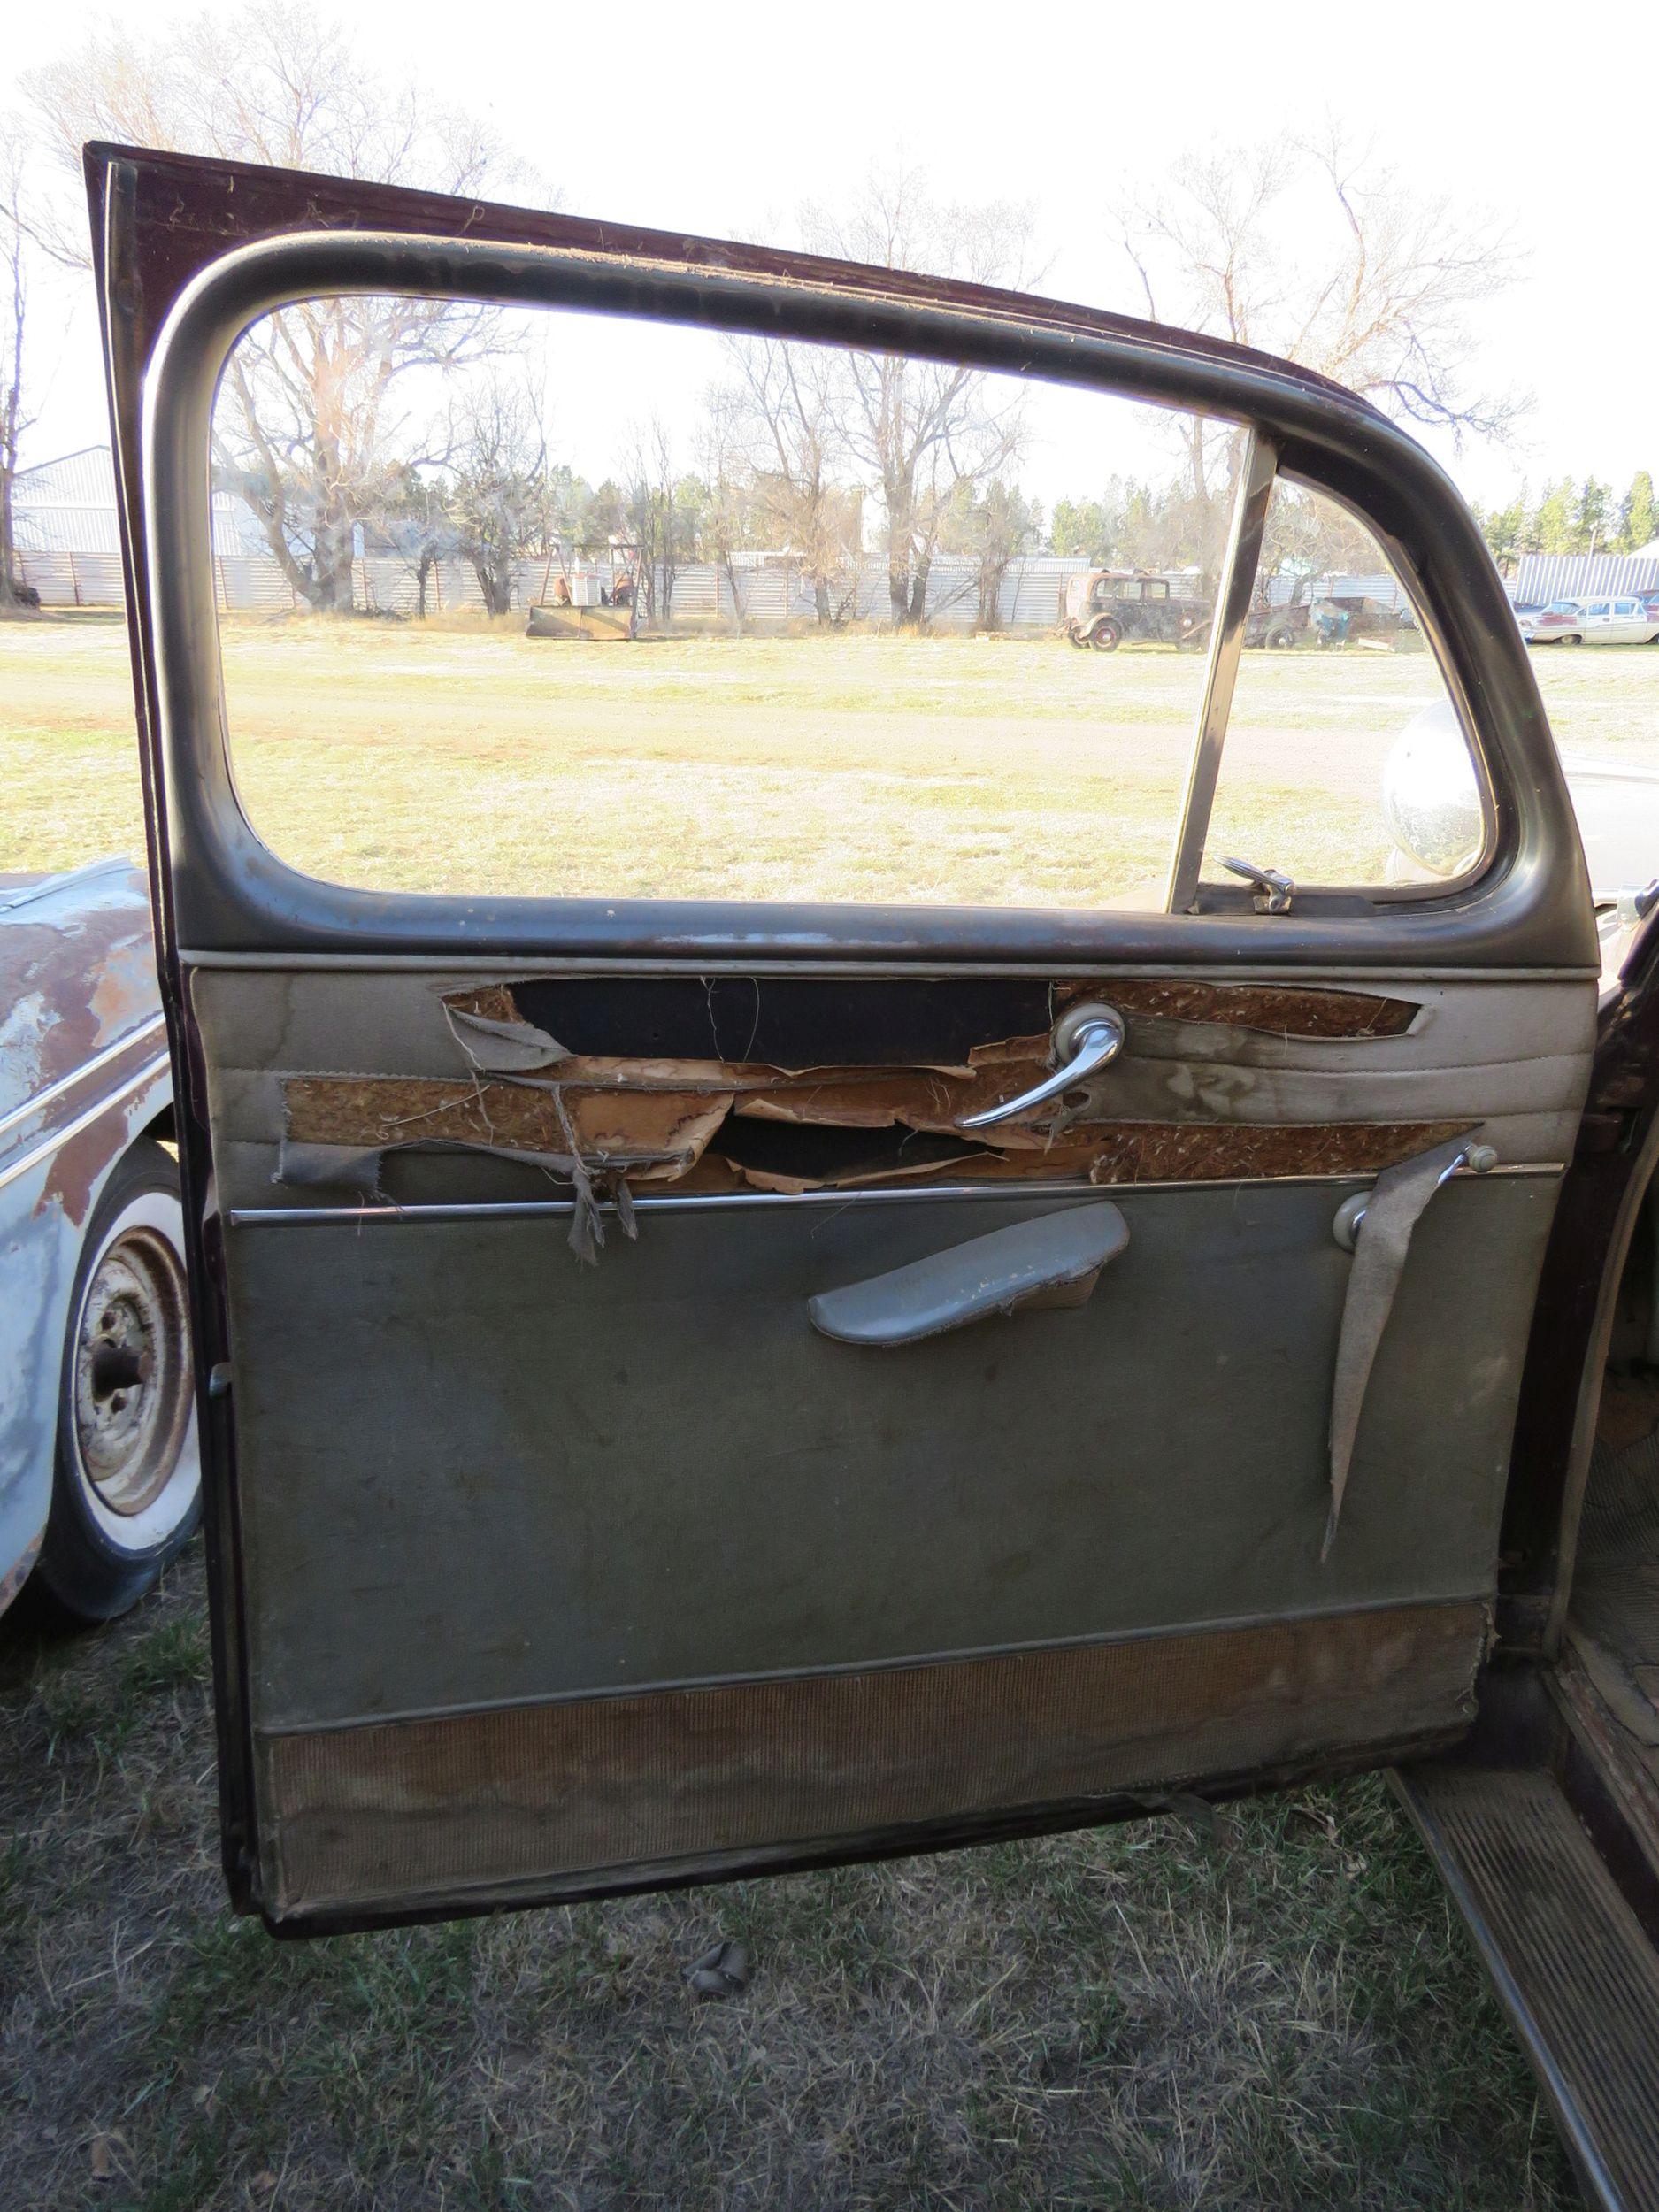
[1277, 628]
[99, 1472]
[1559, 622]
[1110, 604]
[1624, 621]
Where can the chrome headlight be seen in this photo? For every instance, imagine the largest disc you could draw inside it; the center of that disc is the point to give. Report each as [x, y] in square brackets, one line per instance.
[1430, 798]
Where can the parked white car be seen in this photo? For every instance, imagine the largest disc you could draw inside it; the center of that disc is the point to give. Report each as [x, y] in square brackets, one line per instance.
[1610, 622]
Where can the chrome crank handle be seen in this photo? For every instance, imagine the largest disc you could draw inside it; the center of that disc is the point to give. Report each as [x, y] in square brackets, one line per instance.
[1480, 1159]
[1084, 1040]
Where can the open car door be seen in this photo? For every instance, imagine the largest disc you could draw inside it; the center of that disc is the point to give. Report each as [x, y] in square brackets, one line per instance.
[973, 1402]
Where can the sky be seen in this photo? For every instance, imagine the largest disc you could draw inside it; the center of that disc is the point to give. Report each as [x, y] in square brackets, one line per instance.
[725, 122]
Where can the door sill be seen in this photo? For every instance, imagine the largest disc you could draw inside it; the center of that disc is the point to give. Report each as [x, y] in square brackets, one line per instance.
[1544, 1861]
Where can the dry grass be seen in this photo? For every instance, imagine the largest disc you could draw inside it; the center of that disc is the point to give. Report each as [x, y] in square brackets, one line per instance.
[1276, 2011]
[986, 771]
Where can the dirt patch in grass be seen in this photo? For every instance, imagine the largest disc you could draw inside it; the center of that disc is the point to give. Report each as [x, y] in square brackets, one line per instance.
[1273, 2008]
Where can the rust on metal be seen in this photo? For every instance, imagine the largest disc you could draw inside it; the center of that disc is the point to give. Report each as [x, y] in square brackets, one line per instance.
[560, 1791]
[84, 967]
[12, 1582]
[81, 1007]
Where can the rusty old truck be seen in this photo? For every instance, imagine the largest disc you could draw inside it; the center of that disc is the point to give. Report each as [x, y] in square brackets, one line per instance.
[1044, 1356]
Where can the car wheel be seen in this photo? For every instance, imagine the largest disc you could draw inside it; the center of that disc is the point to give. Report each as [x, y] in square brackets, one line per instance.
[1280, 638]
[127, 1490]
[1104, 637]
[1572, 638]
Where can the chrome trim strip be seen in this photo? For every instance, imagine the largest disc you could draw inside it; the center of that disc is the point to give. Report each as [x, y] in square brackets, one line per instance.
[713, 1202]
[553, 964]
[1259, 465]
[1225, 1624]
[45, 1148]
[48, 885]
[65, 1083]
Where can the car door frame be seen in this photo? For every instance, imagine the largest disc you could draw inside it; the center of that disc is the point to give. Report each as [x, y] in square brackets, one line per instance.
[220, 891]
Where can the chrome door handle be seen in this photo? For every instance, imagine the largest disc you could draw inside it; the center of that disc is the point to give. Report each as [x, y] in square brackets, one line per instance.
[1084, 1040]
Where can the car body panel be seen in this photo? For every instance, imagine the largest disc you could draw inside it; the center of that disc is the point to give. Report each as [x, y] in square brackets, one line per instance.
[1549, 625]
[83, 1071]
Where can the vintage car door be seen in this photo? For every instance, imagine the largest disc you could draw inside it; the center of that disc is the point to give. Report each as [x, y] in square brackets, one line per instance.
[822, 1508]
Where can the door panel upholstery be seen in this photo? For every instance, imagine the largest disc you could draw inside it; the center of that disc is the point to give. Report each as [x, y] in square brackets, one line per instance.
[596, 1793]
[506, 1515]
[289, 1051]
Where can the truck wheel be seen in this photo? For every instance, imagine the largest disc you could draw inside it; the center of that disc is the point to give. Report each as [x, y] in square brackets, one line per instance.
[1104, 637]
[1280, 638]
[127, 1490]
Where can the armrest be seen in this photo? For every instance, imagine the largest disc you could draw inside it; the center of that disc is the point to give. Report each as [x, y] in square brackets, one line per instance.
[1053, 1261]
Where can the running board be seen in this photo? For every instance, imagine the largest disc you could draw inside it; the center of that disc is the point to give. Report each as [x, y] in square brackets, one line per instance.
[1572, 1963]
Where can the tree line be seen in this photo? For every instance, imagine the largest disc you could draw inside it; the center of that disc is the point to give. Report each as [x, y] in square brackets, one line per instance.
[773, 477]
[1572, 517]
[1300, 246]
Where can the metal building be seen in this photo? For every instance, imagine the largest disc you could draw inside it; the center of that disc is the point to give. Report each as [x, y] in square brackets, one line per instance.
[68, 538]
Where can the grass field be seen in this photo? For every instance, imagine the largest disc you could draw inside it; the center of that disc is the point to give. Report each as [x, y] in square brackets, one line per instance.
[1270, 2008]
[1001, 771]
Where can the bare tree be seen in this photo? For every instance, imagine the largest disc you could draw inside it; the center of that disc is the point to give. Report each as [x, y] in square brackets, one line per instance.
[651, 518]
[308, 425]
[995, 528]
[13, 316]
[920, 428]
[782, 413]
[1313, 251]
[728, 514]
[501, 503]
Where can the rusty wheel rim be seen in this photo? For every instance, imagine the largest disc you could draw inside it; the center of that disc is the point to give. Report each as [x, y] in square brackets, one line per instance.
[131, 1406]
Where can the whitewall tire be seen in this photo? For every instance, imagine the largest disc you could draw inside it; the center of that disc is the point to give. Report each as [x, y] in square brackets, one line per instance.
[127, 1486]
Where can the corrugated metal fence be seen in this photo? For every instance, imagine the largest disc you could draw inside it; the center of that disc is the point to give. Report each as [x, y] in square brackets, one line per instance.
[1542, 577]
[766, 593]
